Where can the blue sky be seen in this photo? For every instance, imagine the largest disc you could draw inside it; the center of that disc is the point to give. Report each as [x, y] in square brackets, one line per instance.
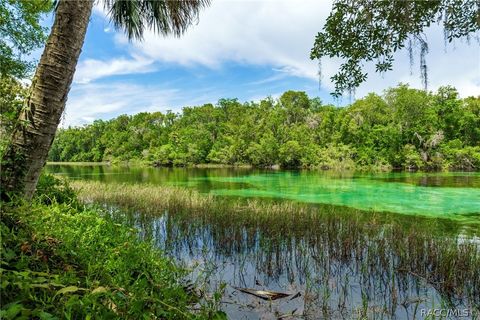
[239, 49]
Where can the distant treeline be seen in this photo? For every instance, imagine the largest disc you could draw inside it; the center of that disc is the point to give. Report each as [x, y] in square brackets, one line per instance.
[404, 128]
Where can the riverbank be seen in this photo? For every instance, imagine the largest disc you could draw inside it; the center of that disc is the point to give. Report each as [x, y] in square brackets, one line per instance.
[68, 163]
[141, 163]
[60, 260]
[339, 168]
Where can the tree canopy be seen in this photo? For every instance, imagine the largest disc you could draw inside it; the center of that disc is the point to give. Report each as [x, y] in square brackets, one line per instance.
[361, 31]
[20, 34]
[404, 128]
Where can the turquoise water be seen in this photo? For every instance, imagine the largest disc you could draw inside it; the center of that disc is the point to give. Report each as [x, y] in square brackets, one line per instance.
[327, 262]
[451, 194]
[370, 192]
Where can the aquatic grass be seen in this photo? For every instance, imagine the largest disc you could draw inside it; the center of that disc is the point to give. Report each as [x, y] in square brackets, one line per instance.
[156, 199]
[392, 255]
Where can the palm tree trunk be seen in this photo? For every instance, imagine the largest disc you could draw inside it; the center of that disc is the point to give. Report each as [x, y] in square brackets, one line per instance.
[27, 153]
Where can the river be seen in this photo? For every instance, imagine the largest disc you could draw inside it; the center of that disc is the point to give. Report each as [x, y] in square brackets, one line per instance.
[310, 257]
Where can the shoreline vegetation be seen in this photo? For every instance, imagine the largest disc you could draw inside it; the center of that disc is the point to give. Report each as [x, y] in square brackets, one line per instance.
[61, 260]
[404, 129]
[440, 254]
[143, 164]
[136, 163]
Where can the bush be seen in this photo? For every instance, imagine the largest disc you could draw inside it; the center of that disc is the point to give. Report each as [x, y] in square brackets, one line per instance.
[51, 189]
[412, 159]
[290, 154]
[338, 156]
[164, 155]
[459, 157]
[60, 262]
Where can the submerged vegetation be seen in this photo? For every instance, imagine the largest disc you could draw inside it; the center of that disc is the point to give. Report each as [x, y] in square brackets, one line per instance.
[398, 264]
[404, 128]
[62, 261]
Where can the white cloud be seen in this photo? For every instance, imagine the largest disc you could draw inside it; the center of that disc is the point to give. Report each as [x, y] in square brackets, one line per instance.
[278, 33]
[100, 101]
[91, 69]
[281, 33]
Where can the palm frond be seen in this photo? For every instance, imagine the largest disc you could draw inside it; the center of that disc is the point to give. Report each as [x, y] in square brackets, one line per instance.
[163, 16]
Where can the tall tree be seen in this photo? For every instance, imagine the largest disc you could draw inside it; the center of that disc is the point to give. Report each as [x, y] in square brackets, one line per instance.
[360, 31]
[35, 130]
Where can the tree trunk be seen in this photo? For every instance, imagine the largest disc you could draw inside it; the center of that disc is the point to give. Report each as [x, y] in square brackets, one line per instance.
[35, 130]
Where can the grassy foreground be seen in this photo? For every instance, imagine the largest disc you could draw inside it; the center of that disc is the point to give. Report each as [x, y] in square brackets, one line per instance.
[62, 261]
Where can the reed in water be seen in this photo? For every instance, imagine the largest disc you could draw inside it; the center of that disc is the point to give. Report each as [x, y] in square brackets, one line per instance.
[389, 255]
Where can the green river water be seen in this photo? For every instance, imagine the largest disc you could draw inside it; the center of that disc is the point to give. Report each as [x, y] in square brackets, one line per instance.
[446, 194]
[332, 265]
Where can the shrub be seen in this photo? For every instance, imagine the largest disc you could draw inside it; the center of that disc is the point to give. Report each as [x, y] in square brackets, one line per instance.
[60, 262]
[51, 189]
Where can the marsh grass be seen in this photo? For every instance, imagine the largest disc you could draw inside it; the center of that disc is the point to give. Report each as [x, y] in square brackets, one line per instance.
[390, 256]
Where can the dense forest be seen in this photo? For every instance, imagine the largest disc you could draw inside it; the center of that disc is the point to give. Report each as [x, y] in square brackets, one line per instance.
[404, 128]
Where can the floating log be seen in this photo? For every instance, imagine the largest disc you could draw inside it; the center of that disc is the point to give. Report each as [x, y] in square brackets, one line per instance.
[263, 294]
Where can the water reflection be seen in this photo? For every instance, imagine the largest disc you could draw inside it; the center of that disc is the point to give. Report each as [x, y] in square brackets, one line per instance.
[342, 266]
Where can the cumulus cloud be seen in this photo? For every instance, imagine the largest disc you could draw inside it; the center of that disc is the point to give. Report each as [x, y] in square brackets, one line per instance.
[281, 33]
[277, 33]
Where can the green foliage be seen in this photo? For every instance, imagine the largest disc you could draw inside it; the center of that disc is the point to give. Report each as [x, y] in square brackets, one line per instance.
[12, 96]
[290, 154]
[20, 34]
[61, 262]
[336, 157]
[411, 157]
[165, 17]
[461, 157]
[51, 189]
[365, 30]
[404, 128]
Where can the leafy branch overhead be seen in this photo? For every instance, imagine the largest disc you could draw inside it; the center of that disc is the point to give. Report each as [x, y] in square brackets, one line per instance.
[360, 31]
[20, 34]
